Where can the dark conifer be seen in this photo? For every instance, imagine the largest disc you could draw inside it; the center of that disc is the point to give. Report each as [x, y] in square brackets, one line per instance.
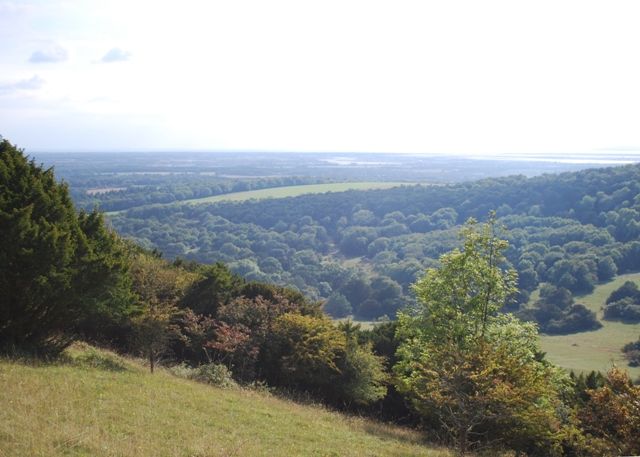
[58, 268]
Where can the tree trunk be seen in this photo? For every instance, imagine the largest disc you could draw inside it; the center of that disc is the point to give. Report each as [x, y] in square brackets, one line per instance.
[462, 441]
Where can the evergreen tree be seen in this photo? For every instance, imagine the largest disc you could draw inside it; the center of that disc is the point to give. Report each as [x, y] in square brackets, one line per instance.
[58, 268]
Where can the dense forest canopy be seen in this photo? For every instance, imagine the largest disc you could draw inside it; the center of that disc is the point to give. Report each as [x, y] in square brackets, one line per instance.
[569, 230]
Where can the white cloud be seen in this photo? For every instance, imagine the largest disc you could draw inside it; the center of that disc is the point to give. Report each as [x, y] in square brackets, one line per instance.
[50, 54]
[116, 55]
[30, 84]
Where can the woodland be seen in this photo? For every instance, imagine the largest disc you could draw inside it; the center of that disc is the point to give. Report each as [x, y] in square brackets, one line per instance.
[361, 250]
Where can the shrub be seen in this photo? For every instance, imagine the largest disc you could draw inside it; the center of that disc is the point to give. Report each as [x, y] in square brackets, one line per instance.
[624, 303]
[94, 358]
[214, 374]
[632, 353]
[611, 415]
[625, 309]
[211, 373]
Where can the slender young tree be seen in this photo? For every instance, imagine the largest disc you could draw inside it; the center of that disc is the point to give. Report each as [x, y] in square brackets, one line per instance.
[158, 287]
[467, 368]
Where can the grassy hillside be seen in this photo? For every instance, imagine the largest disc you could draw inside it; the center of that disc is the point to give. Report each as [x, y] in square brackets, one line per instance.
[97, 404]
[595, 350]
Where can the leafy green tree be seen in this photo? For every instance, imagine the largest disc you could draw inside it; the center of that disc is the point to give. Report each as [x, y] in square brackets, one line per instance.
[311, 354]
[632, 353]
[158, 287]
[466, 367]
[337, 305]
[356, 290]
[628, 289]
[217, 287]
[363, 378]
[58, 268]
[607, 269]
[469, 287]
[624, 303]
[306, 351]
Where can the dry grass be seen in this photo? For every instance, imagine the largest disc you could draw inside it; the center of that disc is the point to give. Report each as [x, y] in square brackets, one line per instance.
[91, 407]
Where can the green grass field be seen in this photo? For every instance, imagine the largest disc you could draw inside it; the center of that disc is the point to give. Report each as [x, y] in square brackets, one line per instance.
[103, 405]
[294, 191]
[596, 350]
[281, 192]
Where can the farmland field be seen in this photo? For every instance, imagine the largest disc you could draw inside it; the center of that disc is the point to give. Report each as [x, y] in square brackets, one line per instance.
[280, 192]
[294, 191]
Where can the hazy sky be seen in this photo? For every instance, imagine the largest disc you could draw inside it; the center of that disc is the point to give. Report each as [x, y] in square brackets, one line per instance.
[443, 76]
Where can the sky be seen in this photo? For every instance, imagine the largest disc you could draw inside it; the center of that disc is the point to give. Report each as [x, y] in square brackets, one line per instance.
[454, 77]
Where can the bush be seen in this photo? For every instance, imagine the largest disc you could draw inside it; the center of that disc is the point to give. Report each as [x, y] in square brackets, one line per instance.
[214, 374]
[556, 314]
[610, 417]
[625, 309]
[337, 305]
[632, 353]
[577, 319]
[211, 373]
[624, 303]
[94, 358]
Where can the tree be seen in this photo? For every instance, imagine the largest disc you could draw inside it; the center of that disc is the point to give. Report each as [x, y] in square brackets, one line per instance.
[611, 415]
[57, 267]
[216, 288]
[159, 287]
[607, 269]
[632, 353]
[556, 313]
[475, 372]
[311, 354]
[628, 289]
[337, 305]
[363, 377]
[306, 351]
[624, 303]
[469, 287]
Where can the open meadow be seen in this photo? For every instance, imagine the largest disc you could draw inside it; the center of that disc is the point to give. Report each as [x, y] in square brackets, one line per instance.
[98, 404]
[599, 349]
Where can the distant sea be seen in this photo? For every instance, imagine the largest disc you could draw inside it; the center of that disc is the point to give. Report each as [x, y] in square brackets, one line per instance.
[603, 158]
